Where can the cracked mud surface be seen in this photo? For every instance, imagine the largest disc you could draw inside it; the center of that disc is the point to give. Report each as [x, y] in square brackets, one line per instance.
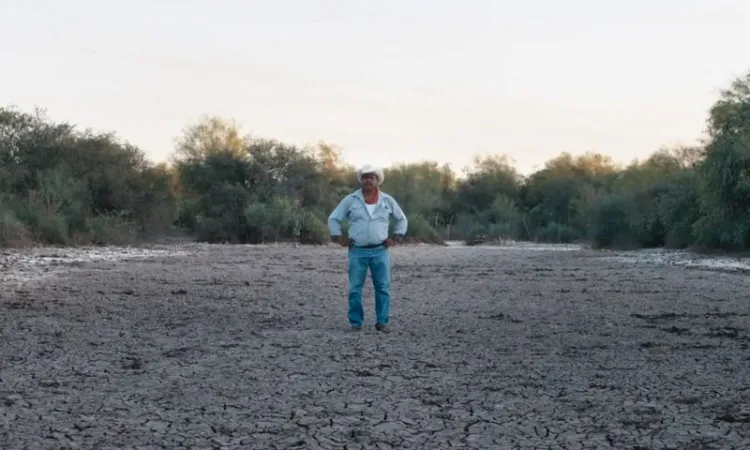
[241, 347]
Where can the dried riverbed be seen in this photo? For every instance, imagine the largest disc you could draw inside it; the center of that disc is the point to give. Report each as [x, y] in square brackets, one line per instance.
[493, 348]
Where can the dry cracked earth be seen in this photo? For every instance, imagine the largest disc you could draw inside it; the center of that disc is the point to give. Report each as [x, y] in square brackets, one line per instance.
[246, 347]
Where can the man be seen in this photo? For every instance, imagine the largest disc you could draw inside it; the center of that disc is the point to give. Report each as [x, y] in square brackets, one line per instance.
[369, 211]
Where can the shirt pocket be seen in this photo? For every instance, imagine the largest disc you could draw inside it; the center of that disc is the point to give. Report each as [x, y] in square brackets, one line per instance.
[383, 212]
[357, 212]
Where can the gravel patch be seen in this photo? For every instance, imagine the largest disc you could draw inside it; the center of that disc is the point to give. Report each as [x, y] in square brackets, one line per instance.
[224, 347]
[18, 267]
[683, 258]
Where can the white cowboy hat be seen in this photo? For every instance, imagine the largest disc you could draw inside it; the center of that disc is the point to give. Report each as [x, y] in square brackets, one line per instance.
[370, 169]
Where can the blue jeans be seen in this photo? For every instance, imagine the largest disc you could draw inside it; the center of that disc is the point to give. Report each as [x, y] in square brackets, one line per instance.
[378, 260]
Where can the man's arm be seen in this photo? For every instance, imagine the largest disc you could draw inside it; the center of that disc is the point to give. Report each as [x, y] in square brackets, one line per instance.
[336, 217]
[402, 223]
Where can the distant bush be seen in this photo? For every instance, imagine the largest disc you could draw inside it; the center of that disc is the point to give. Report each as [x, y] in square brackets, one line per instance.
[490, 232]
[13, 232]
[420, 231]
[557, 233]
[615, 223]
[111, 229]
[65, 187]
[313, 229]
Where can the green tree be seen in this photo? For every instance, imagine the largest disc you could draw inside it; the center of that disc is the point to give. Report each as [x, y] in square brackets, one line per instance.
[211, 134]
[724, 188]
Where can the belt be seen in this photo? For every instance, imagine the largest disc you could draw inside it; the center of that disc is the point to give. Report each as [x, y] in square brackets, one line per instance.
[371, 245]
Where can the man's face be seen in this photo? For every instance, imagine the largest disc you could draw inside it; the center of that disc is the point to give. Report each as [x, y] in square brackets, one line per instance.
[369, 181]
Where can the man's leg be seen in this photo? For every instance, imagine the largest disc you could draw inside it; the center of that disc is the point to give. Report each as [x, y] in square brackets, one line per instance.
[357, 277]
[380, 267]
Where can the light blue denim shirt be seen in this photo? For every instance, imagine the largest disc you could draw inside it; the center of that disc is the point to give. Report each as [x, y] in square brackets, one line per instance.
[363, 229]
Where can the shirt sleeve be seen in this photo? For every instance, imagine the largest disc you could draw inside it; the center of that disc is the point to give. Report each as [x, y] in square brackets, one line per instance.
[402, 222]
[337, 216]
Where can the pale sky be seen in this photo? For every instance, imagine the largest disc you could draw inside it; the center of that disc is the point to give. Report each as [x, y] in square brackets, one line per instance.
[386, 80]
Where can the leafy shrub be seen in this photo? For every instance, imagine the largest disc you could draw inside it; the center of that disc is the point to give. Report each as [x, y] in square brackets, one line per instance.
[614, 223]
[313, 230]
[42, 215]
[420, 230]
[491, 232]
[557, 233]
[112, 229]
[210, 230]
[13, 233]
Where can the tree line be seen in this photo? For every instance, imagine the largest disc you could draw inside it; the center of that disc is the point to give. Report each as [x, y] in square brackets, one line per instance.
[60, 185]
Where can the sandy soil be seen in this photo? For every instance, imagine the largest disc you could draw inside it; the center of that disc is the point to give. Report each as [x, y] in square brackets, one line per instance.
[493, 348]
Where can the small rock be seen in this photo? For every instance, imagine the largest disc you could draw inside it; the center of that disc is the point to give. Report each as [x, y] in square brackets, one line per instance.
[688, 400]
[12, 399]
[296, 414]
[388, 427]
[306, 421]
[157, 425]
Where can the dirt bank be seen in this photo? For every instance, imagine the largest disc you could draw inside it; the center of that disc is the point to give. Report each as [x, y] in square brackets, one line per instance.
[245, 347]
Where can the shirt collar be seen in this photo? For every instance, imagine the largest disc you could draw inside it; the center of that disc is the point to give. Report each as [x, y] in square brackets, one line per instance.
[359, 193]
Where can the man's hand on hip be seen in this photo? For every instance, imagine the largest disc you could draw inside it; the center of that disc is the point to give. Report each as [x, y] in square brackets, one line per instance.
[395, 240]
